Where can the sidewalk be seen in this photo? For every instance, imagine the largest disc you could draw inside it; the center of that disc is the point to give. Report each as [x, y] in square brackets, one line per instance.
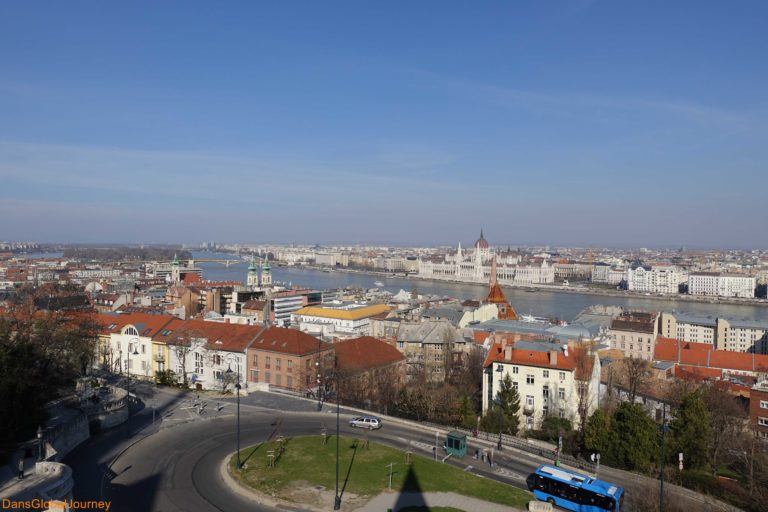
[12, 487]
[386, 501]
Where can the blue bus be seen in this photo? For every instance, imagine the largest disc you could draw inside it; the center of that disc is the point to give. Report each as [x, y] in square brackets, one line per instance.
[573, 491]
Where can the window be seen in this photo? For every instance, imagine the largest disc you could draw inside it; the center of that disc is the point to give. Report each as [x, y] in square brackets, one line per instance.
[529, 379]
[267, 362]
[266, 377]
[143, 365]
[255, 359]
[278, 380]
[198, 363]
[143, 349]
[514, 385]
[764, 404]
[289, 381]
[529, 401]
[515, 370]
[217, 359]
[763, 422]
[546, 374]
[254, 375]
[561, 394]
[218, 375]
[290, 365]
[278, 364]
[545, 392]
[562, 376]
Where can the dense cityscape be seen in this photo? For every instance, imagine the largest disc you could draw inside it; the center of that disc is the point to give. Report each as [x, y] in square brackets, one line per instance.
[384, 256]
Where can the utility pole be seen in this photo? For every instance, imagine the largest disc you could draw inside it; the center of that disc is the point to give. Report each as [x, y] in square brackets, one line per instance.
[661, 462]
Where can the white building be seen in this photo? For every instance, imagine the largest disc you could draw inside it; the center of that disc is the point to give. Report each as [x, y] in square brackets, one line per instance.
[549, 379]
[475, 266]
[720, 284]
[634, 333]
[732, 334]
[351, 320]
[664, 279]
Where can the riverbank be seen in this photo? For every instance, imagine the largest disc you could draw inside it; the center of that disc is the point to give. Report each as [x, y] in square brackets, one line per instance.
[581, 290]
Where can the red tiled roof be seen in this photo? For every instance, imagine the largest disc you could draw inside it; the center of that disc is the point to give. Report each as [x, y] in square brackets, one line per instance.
[539, 359]
[288, 341]
[703, 355]
[220, 335]
[148, 325]
[366, 353]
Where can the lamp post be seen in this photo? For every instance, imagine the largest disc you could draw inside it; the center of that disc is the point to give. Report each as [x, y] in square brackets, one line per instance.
[135, 353]
[337, 497]
[39, 443]
[237, 388]
[317, 368]
[661, 461]
[500, 370]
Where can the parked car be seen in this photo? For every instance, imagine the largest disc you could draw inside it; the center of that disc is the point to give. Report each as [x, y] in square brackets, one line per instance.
[369, 422]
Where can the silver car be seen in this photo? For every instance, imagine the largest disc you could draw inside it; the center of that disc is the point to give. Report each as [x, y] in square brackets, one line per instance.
[369, 422]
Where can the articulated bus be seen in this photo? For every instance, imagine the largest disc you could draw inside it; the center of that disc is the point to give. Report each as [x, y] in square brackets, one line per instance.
[573, 491]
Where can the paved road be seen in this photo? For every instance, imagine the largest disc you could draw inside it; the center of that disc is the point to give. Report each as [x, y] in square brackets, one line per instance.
[174, 464]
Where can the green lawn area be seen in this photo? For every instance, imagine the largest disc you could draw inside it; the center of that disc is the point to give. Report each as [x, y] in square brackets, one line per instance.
[306, 459]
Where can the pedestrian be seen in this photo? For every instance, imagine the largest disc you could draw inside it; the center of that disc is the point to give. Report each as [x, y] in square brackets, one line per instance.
[434, 452]
[21, 468]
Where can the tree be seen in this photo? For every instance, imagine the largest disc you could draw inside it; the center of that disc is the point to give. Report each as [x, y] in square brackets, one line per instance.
[727, 417]
[506, 406]
[691, 431]
[181, 342]
[637, 372]
[637, 439]
[584, 362]
[600, 436]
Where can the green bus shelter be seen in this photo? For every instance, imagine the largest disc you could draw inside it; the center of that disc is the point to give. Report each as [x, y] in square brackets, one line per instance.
[456, 444]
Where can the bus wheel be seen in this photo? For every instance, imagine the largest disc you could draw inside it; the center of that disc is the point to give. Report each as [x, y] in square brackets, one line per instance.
[551, 501]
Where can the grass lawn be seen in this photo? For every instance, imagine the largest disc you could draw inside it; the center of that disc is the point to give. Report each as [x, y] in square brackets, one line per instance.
[366, 471]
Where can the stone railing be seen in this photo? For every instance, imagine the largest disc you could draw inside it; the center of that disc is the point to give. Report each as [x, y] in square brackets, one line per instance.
[57, 481]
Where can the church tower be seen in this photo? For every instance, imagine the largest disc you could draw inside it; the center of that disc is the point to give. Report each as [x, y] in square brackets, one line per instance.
[253, 274]
[496, 296]
[175, 270]
[266, 273]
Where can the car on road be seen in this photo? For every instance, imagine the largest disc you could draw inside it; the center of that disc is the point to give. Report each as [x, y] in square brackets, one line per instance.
[369, 422]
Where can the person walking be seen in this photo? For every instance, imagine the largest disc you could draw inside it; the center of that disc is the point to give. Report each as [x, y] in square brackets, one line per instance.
[21, 468]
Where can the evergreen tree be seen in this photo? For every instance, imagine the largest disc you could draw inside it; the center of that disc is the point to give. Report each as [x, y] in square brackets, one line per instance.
[637, 437]
[600, 436]
[691, 431]
[510, 405]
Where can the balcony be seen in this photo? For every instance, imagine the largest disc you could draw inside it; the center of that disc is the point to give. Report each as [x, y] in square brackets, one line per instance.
[159, 358]
[528, 410]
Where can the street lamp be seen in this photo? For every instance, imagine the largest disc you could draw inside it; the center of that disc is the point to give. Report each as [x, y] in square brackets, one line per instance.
[317, 368]
[135, 353]
[39, 443]
[337, 497]
[661, 461]
[237, 388]
[500, 370]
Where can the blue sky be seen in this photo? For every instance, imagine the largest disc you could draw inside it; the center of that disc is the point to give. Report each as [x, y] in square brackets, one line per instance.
[546, 122]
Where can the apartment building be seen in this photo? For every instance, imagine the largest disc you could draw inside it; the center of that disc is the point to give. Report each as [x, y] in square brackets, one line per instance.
[657, 279]
[551, 379]
[722, 333]
[721, 284]
[634, 333]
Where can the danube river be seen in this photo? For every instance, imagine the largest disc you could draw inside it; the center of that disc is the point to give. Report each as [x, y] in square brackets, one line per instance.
[540, 303]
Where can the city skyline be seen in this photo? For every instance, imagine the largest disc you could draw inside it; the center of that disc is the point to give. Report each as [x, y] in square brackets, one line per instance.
[571, 124]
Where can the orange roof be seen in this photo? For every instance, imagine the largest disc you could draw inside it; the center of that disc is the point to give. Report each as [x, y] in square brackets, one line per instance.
[366, 353]
[288, 341]
[148, 325]
[219, 335]
[704, 355]
[539, 359]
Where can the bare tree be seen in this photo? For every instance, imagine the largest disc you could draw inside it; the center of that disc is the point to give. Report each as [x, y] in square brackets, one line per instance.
[727, 417]
[636, 371]
[584, 361]
[182, 343]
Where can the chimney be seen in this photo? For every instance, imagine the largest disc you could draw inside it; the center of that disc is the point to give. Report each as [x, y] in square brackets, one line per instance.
[553, 357]
[565, 350]
[508, 352]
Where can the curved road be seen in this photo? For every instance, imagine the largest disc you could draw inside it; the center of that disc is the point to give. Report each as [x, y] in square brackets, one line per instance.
[144, 467]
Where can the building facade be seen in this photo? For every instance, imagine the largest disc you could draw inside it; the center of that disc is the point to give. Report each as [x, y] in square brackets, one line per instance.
[550, 379]
[720, 284]
[634, 333]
